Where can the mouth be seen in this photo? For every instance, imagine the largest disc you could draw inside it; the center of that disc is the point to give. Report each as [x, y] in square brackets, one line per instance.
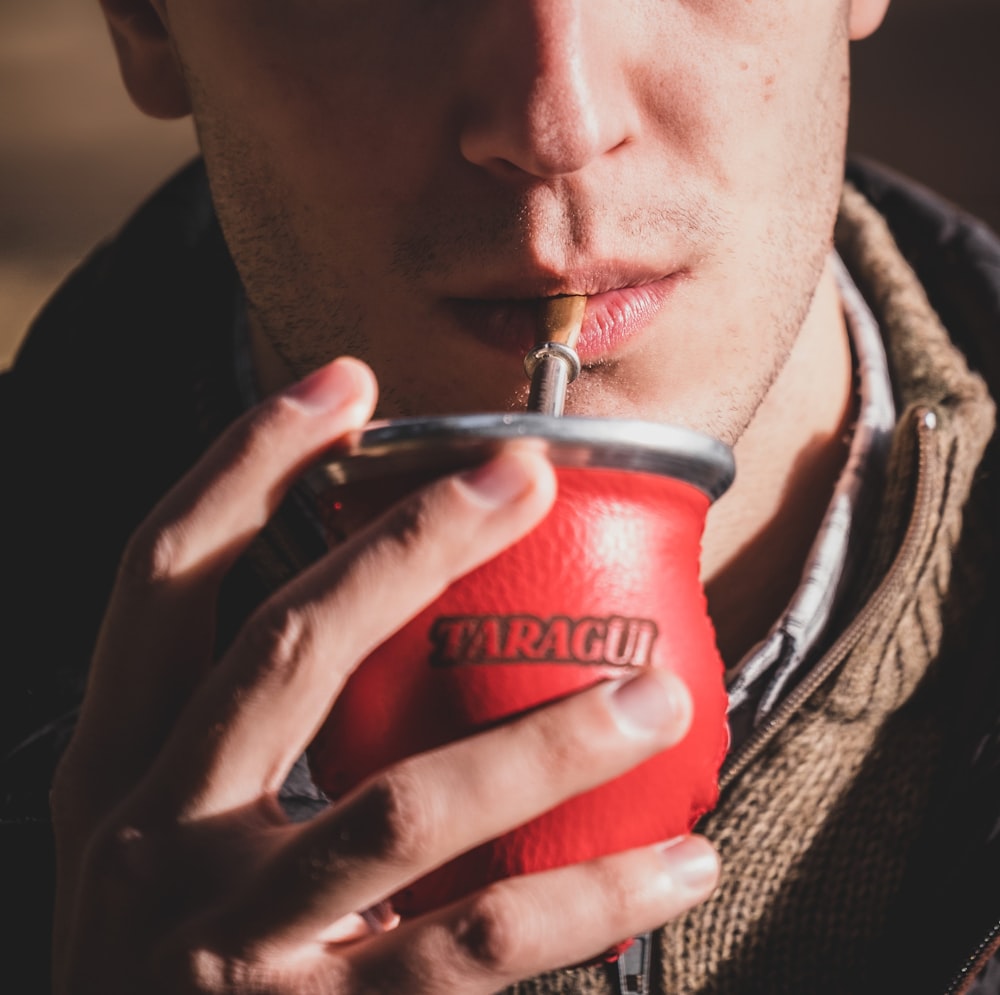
[615, 315]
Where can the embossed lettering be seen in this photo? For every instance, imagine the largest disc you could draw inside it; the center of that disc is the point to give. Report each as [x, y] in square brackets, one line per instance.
[617, 641]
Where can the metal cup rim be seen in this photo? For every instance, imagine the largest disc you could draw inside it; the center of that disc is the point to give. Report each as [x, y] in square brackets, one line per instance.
[449, 443]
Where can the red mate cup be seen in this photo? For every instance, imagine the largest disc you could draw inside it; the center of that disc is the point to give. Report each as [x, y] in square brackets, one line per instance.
[606, 585]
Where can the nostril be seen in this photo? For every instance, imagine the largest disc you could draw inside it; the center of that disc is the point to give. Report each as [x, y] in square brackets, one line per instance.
[546, 107]
[541, 142]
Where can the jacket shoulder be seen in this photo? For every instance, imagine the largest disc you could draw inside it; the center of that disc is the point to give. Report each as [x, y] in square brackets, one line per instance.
[955, 256]
[104, 408]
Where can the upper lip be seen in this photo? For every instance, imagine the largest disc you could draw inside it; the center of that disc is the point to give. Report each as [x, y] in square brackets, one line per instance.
[588, 282]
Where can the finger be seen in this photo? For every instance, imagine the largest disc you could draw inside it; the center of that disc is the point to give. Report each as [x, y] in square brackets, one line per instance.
[157, 635]
[265, 701]
[521, 927]
[402, 823]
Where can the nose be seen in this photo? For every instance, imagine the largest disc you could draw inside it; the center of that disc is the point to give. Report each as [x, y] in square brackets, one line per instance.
[545, 95]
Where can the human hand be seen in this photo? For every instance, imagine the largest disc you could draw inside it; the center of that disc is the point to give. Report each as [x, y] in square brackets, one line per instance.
[178, 872]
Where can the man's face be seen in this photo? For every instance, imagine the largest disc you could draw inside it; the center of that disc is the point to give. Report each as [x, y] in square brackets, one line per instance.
[401, 179]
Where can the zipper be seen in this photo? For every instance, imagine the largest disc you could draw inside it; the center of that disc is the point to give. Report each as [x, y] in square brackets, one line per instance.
[887, 591]
[634, 966]
[976, 961]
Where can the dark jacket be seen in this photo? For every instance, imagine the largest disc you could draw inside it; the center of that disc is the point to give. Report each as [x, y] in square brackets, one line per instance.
[125, 377]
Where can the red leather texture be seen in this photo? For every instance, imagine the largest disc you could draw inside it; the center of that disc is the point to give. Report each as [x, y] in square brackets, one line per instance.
[607, 583]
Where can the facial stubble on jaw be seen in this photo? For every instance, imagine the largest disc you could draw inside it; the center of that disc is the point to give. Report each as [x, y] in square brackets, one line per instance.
[307, 333]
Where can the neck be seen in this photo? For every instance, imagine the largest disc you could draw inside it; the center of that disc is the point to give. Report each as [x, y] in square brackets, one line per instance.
[759, 534]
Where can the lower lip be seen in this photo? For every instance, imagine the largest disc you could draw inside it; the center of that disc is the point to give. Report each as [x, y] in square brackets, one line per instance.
[612, 319]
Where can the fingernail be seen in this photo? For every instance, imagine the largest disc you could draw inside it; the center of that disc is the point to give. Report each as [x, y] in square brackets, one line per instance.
[692, 862]
[498, 482]
[326, 389]
[654, 701]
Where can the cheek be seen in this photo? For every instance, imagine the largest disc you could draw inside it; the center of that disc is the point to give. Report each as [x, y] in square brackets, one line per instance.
[743, 88]
[320, 89]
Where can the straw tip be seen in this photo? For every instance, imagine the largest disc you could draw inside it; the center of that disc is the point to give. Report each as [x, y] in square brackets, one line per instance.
[562, 319]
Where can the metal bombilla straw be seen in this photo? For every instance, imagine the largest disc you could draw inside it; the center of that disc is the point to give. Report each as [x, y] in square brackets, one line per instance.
[553, 364]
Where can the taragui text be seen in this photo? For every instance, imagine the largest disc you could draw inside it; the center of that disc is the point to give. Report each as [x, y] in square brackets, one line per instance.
[614, 640]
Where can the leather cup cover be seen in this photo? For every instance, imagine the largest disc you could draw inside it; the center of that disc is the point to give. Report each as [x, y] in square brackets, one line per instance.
[608, 583]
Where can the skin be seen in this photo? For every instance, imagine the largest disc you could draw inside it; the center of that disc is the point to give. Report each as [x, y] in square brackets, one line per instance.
[367, 170]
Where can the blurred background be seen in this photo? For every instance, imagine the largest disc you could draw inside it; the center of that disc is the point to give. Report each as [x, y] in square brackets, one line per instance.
[75, 157]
